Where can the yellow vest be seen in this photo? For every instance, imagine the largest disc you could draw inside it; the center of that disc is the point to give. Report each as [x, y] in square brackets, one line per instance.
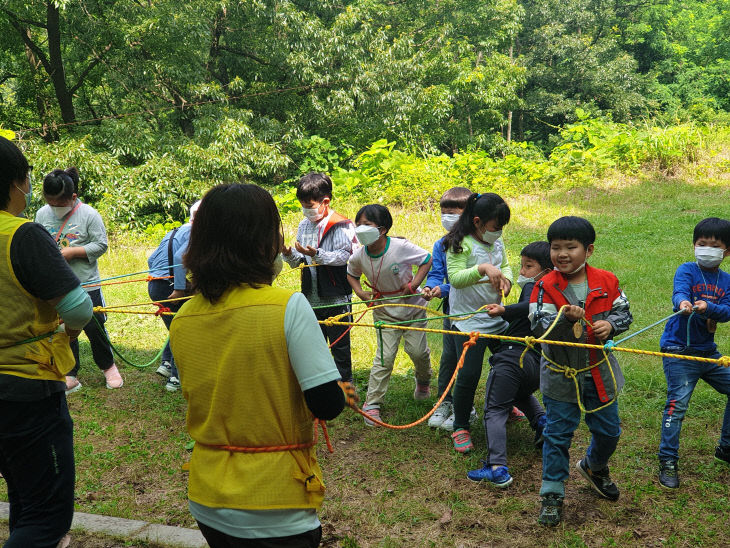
[24, 317]
[241, 391]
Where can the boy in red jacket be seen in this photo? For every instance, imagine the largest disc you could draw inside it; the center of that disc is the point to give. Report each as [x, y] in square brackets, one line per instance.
[596, 310]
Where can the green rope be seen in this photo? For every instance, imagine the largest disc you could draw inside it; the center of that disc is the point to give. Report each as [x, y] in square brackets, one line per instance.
[121, 357]
[124, 275]
[31, 340]
[366, 302]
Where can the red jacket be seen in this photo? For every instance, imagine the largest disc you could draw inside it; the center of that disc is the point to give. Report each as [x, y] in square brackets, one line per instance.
[605, 301]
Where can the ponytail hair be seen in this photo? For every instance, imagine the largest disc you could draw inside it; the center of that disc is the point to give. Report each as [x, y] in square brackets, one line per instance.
[61, 184]
[487, 206]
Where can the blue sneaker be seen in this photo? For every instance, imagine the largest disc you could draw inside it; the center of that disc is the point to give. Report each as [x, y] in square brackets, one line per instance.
[499, 477]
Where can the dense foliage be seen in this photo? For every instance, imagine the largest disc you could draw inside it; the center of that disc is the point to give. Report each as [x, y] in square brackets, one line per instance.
[157, 100]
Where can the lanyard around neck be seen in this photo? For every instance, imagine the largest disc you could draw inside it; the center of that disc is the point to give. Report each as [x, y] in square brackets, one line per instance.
[70, 214]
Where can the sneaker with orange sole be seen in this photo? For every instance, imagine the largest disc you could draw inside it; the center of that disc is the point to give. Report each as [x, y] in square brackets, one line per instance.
[113, 378]
[516, 415]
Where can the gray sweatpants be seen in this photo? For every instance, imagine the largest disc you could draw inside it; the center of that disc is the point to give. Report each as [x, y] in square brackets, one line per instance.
[509, 385]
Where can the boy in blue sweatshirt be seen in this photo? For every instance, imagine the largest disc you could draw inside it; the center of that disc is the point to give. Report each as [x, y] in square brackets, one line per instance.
[702, 292]
[452, 204]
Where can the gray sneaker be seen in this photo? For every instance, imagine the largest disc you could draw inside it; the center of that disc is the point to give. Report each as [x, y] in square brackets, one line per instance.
[442, 413]
[173, 385]
[448, 424]
[165, 370]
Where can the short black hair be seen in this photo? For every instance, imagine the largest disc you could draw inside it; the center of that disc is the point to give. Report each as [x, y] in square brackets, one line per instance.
[540, 252]
[60, 184]
[376, 213]
[314, 186]
[14, 169]
[572, 228]
[713, 227]
[455, 197]
[234, 240]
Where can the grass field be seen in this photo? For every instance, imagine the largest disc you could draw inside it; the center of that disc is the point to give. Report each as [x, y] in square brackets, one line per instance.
[389, 488]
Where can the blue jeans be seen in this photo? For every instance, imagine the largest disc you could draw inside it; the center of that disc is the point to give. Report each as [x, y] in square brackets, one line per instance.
[159, 290]
[562, 420]
[682, 377]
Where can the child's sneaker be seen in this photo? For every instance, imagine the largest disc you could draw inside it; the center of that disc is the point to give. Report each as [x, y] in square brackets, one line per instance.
[516, 415]
[173, 384]
[422, 392]
[668, 474]
[165, 370]
[113, 378]
[722, 454]
[462, 441]
[499, 477]
[371, 411]
[551, 510]
[448, 424]
[600, 480]
[443, 412]
[72, 384]
[539, 437]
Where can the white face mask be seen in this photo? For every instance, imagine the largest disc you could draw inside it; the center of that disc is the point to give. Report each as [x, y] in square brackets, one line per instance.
[366, 234]
[491, 237]
[60, 211]
[709, 257]
[522, 281]
[312, 213]
[448, 220]
[278, 265]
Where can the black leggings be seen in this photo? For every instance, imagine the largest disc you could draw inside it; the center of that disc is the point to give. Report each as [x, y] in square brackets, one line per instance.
[98, 336]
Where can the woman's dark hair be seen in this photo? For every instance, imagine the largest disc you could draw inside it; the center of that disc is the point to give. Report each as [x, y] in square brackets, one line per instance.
[13, 169]
[572, 228]
[314, 186]
[61, 184]
[234, 240]
[377, 214]
[540, 252]
[486, 206]
[713, 227]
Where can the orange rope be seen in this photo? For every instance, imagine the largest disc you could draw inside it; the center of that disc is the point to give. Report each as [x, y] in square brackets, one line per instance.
[278, 448]
[473, 337]
[147, 279]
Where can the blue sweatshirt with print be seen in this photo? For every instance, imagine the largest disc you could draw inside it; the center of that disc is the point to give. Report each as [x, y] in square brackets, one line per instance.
[438, 276]
[693, 283]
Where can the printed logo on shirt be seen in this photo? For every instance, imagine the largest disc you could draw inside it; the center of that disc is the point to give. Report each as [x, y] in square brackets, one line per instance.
[708, 292]
[395, 268]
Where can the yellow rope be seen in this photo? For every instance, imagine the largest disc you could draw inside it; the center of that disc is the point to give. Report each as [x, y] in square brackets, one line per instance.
[723, 361]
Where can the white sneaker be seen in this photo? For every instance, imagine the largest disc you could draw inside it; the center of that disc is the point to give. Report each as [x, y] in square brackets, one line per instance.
[442, 413]
[165, 370]
[173, 385]
[448, 424]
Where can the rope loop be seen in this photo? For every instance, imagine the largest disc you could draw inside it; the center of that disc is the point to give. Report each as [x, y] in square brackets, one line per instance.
[161, 309]
[570, 373]
[724, 361]
[609, 346]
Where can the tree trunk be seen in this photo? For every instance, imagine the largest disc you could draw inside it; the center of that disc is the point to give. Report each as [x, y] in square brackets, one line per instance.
[55, 59]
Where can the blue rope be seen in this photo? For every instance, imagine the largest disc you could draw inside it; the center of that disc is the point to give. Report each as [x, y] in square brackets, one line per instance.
[125, 275]
[641, 331]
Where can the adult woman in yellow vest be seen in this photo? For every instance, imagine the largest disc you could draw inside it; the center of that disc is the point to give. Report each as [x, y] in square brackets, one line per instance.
[36, 433]
[254, 368]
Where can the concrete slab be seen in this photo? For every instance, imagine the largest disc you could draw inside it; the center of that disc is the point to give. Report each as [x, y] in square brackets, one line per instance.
[131, 529]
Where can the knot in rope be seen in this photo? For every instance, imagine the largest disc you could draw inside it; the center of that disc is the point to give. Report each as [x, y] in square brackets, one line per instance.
[329, 321]
[570, 373]
[609, 346]
[348, 389]
[724, 361]
[530, 341]
[473, 338]
[379, 324]
[161, 309]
